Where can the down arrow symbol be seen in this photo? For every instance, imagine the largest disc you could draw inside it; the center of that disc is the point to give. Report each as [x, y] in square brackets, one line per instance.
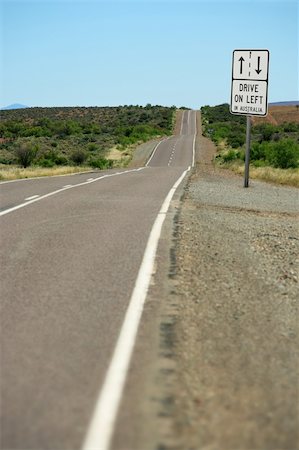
[258, 70]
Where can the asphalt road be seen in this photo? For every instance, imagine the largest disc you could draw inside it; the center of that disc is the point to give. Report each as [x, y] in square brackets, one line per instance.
[71, 249]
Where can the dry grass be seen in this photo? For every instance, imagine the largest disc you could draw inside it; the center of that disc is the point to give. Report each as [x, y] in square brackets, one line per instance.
[115, 154]
[279, 114]
[15, 173]
[287, 177]
[122, 157]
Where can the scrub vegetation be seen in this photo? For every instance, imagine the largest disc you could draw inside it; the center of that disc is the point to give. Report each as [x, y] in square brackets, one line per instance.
[274, 151]
[76, 136]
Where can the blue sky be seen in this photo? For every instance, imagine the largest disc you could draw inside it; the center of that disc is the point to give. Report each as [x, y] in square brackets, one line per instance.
[97, 53]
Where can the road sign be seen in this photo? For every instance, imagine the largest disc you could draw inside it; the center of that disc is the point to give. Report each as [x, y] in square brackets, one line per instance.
[249, 91]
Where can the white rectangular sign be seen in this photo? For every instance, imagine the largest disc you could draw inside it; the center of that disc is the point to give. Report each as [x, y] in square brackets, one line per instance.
[249, 91]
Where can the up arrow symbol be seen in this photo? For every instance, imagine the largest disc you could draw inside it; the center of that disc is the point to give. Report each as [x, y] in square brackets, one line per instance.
[258, 70]
[241, 64]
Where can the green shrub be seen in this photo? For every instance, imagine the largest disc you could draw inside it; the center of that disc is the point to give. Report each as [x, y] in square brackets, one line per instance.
[101, 163]
[219, 131]
[258, 150]
[231, 155]
[259, 163]
[266, 131]
[276, 137]
[78, 156]
[241, 154]
[283, 154]
[25, 153]
[92, 147]
[61, 160]
[51, 158]
[7, 160]
[46, 163]
[221, 113]
[236, 140]
[290, 127]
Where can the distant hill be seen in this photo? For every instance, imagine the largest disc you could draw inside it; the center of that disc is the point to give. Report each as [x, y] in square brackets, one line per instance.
[280, 113]
[296, 102]
[15, 106]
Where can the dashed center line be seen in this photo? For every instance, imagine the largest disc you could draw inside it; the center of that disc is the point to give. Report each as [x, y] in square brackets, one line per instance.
[172, 153]
[68, 186]
[31, 198]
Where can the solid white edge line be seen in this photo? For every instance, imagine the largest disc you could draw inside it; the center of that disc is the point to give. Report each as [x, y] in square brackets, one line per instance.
[155, 149]
[67, 187]
[101, 427]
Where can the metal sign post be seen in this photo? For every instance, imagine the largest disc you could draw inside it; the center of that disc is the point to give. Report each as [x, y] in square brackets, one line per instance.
[247, 152]
[249, 90]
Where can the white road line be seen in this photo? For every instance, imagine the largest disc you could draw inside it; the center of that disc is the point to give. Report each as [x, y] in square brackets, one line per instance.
[69, 186]
[45, 177]
[173, 151]
[155, 149]
[101, 428]
[31, 198]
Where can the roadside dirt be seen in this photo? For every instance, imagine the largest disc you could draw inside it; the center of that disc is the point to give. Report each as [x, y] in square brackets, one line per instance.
[233, 329]
[216, 362]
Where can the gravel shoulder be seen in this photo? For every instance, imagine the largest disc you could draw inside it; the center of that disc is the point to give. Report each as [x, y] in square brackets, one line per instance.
[219, 336]
[235, 315]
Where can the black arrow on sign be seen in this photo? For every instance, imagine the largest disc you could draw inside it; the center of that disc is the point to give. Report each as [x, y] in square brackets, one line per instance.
[241, 64]
[258, 70]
